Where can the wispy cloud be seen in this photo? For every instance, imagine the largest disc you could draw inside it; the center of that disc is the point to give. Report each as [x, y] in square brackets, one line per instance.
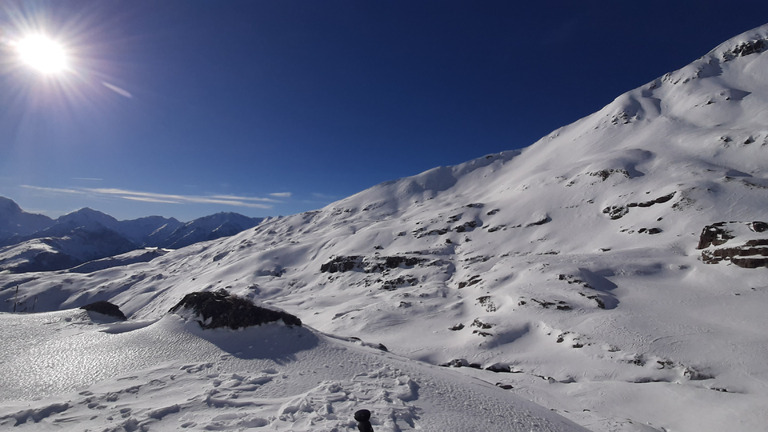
[118, 90]
[228, 200]
[281, 194]
[242, 198]
[54, 190]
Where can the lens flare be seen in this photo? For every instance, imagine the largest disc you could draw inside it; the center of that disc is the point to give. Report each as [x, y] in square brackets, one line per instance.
[42, 54]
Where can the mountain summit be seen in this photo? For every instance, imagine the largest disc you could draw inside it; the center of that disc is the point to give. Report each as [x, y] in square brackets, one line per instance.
[576, 272]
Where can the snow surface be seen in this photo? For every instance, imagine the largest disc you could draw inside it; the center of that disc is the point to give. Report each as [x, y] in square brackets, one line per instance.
[572, 265]
[80, 375]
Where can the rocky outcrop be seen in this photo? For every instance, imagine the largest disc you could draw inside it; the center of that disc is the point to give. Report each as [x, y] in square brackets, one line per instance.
[744, 244]
[746, 48]
[617, 212]
[222, 309]
[105, 308]
[375, 264]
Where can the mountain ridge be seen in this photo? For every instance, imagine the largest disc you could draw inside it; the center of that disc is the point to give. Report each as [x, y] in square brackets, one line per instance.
[30, 242]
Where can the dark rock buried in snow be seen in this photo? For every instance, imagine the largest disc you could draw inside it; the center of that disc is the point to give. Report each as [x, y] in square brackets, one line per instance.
[222, 309]
[457, 363]
[105, 308]
[499, 368]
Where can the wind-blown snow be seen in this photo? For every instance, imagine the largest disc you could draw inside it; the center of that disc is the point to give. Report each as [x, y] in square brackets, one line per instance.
[570, 268]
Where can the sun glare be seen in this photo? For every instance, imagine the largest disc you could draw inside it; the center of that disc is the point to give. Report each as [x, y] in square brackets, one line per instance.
[42, 54]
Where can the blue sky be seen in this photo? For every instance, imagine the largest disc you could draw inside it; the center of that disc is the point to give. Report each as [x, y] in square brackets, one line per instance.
[185, 108]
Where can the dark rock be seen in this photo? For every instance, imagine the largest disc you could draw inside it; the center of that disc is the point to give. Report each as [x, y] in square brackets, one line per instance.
[543, 303]
[480, 324]
[750, 262]
[105, 308]
[472, 281]
[748, 253]
[487, 302]
[401, 261]
[466, 226]
[499, 368]
[714, 235]
[342, 264]
[604, 174]
[440, 231]
[542, 221]
[745, 49]
[615, 212]
[391, 285]
[221, 309]
[376, 264]
[456, 363]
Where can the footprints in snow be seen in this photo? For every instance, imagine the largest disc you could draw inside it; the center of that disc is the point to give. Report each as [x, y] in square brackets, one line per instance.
[181, 398]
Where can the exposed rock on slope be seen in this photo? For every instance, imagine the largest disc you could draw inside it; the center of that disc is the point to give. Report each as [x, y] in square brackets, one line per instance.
[105, 308]
[744, 244]
[221, 309]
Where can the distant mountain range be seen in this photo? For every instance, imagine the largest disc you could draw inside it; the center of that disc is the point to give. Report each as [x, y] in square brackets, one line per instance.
[34, 242]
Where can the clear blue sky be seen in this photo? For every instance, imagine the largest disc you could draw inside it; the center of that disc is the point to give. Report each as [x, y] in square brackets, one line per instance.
[189, 107]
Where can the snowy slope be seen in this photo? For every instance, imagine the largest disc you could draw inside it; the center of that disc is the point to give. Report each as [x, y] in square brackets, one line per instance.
[572, 265]
[171, 375]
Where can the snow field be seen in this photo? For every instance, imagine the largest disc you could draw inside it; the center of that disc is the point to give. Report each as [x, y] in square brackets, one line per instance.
[270, 377]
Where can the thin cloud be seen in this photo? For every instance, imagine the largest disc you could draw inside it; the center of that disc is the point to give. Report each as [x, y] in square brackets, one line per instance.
[281, 194]
[54, 190]
[241, 198]
[228, 200]
[151, 200]
[118, 90]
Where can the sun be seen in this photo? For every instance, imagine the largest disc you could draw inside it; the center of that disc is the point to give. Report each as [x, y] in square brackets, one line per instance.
[42, 54]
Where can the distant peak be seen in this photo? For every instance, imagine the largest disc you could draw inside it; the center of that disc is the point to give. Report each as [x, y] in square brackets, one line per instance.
[9, 206]
[88, 214]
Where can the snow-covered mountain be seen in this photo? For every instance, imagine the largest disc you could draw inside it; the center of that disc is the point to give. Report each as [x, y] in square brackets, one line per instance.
[15, 221]
[612, 272]
[210, 227]
[37, 243]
